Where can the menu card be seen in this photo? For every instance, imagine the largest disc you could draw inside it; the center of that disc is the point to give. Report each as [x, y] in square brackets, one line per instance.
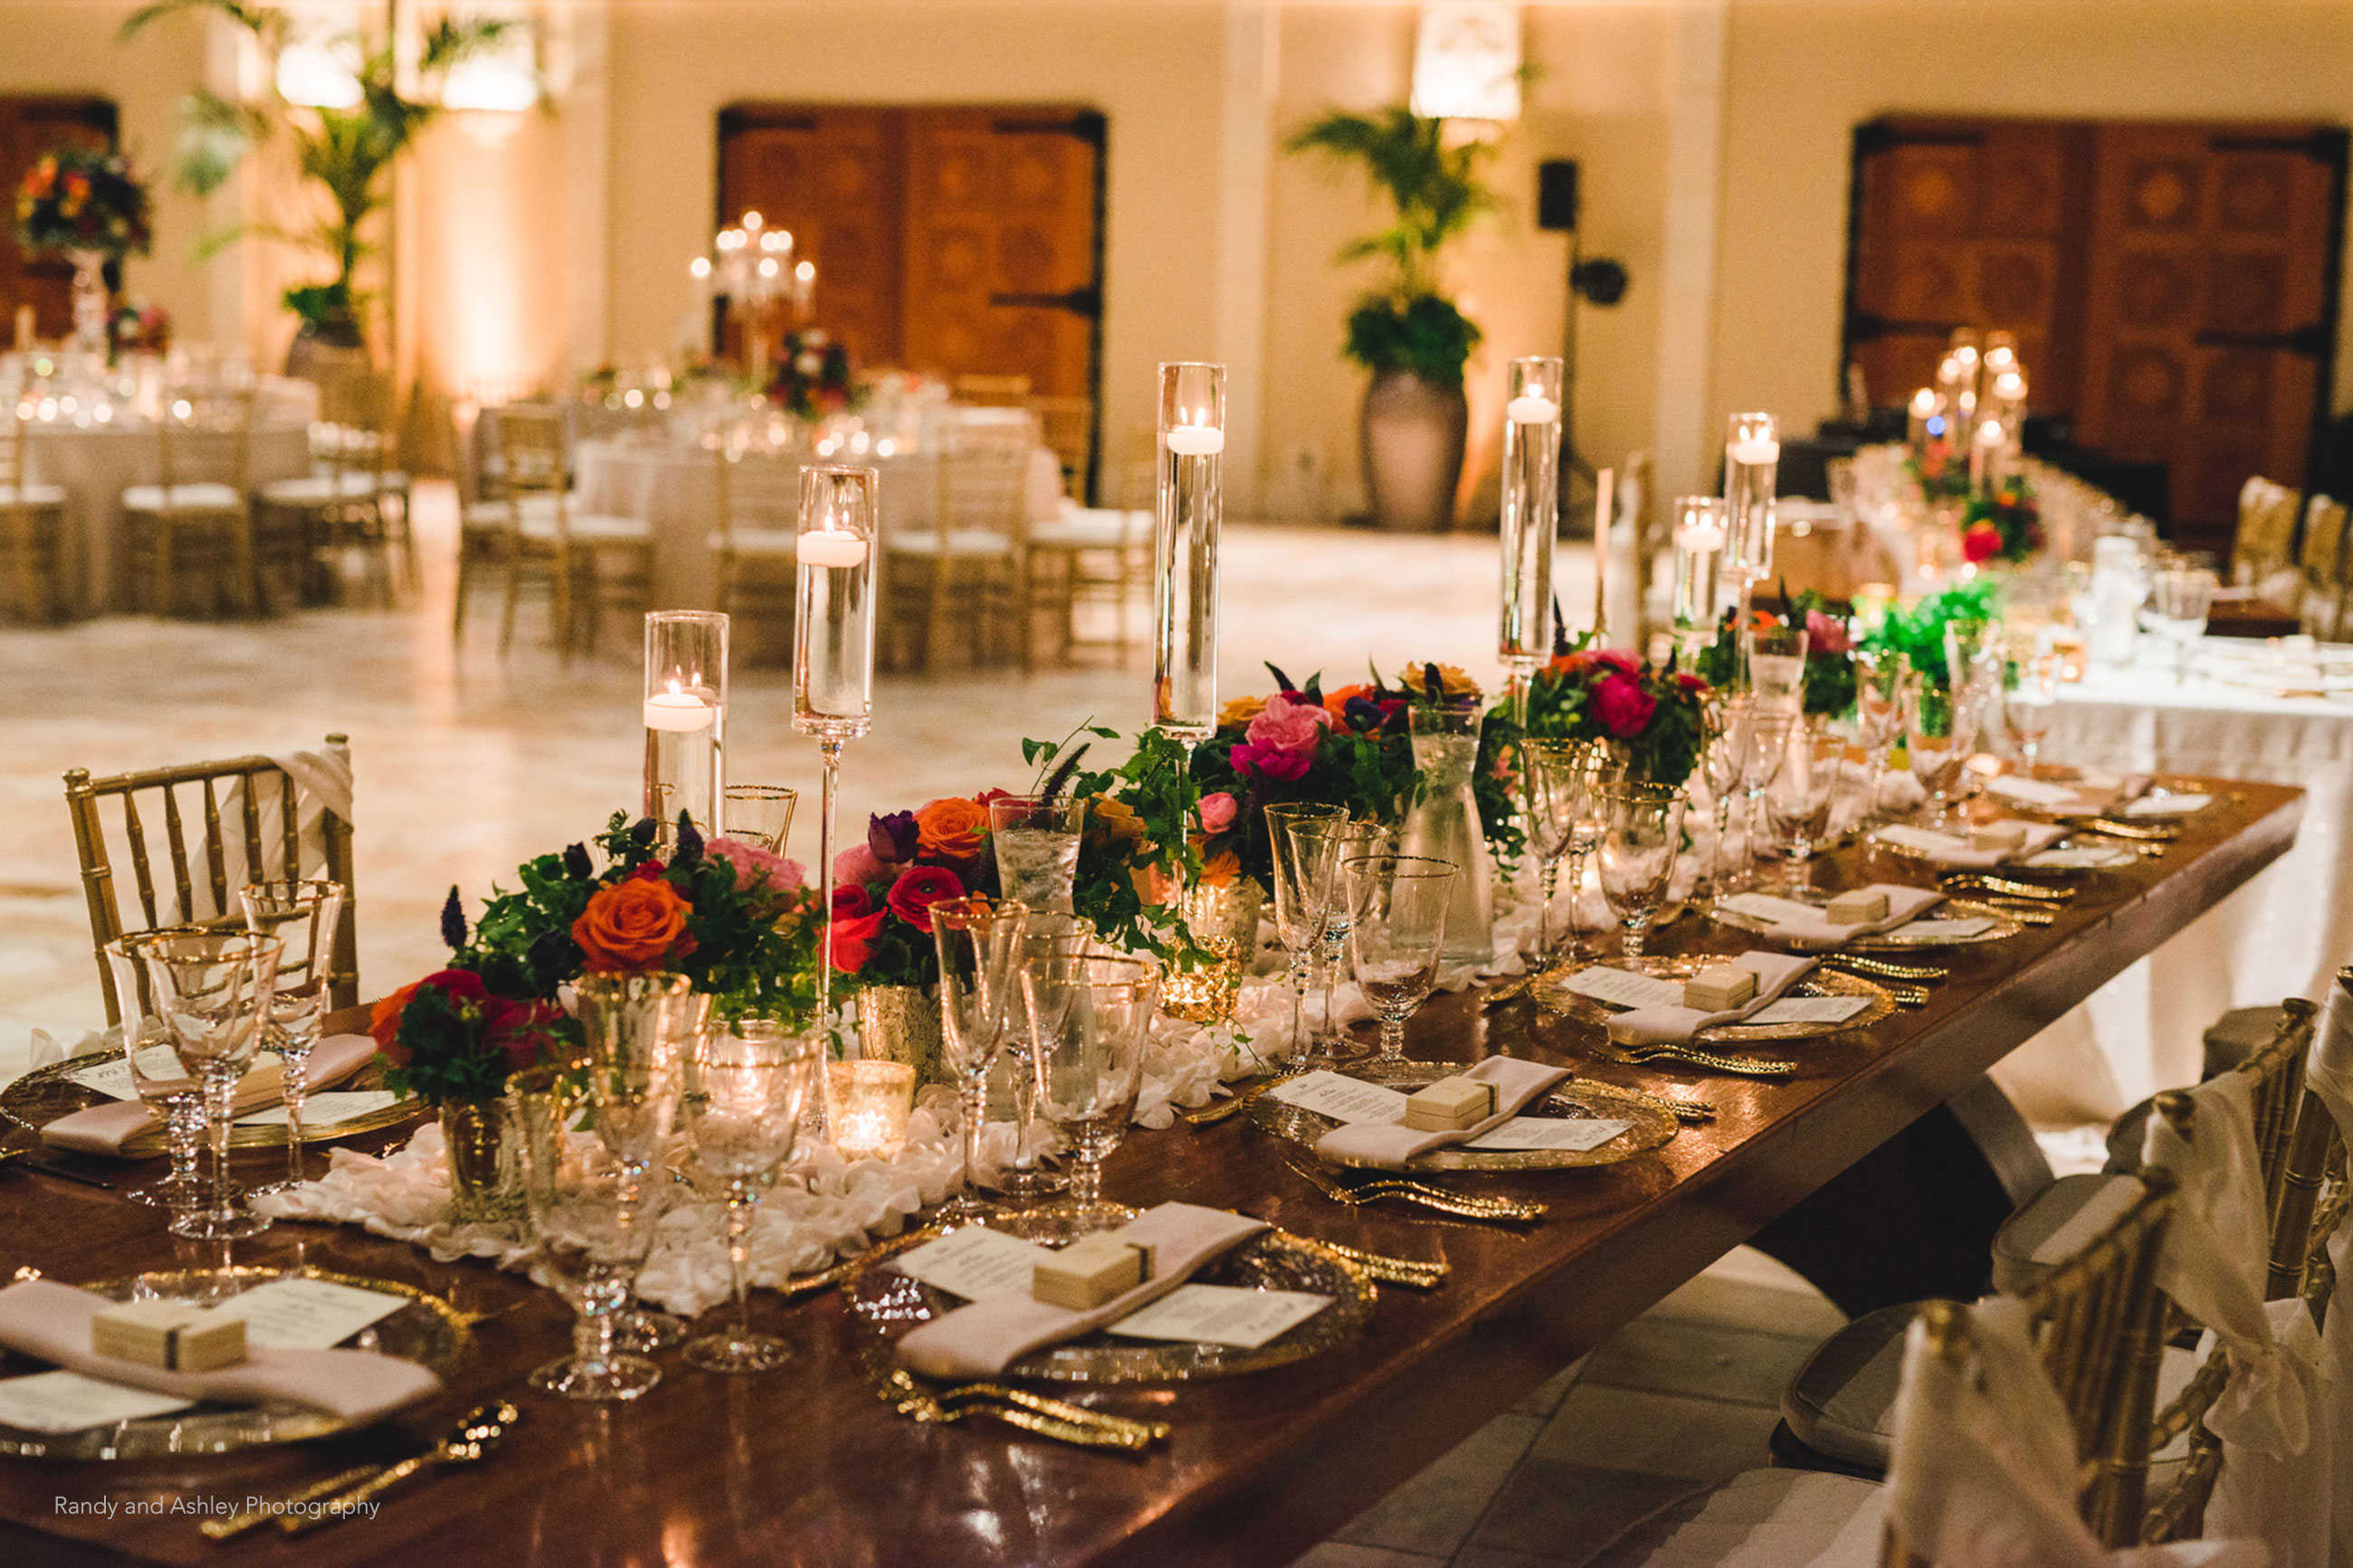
[307, 1314]
[976, 1263]
[69, 1402]
[2033, 792]
[1920, 838]
[326, 1109]
[2167, 804]
[1572, 1132]
[1773, 910]
[1341, 1097]
[1809, 1010]
[1621, 989]
[1954, 929]
[1221, 1315]
[110, 1074]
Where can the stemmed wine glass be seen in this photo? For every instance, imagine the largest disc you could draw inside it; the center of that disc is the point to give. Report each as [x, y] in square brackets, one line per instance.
[1396, 925]
[1090, 1015]
[1760, 764]
[1354, 839]
[304, 916]
[1879, 687]
[1304, 842]
[1803, 797]
[759, 815]
[1642, 826]
[212, 989]
[752, 1081]
[980, 959]
[2027, 705]
[1558, 774]
[636, 1029]
[593, 1216]
[1045, 933]
[1725, 762]
[1035, 841]
[1938, 735]
[2180, 600]
[163, 1085]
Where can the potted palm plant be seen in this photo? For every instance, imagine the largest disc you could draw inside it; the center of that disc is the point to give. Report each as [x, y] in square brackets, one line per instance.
[346, 150]
[1407, 333]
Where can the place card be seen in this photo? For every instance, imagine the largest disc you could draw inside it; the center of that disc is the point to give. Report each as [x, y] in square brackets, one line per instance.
[307, 1314]
[111, 1076]
[1920, 838]
[2078, 859]
[1221, 1315]
[1948, 930]
[326, 1109]
[1772, 910]
[1621, 989]
[976, 1263]
[69, 1402]
[1577, 1134]
[2167, 804]
[2033, 792]
[1809, 1010]
[1341, 1097]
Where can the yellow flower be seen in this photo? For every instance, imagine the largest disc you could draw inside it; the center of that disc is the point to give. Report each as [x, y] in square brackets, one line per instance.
[1113, 821]
[1453, 680]
[1240, 711]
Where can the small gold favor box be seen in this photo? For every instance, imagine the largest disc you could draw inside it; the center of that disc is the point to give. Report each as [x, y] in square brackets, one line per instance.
[1719, 988]
[1090, 1271]
[173, 1335]
[1857, 907]
[1449, 1105]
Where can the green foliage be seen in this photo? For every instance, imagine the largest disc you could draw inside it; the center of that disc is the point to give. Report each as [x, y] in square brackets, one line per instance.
[450, 1058]
[1830, 673]
[1918, 634]
[1654, 719]
[1116, 852]
[1426, 335]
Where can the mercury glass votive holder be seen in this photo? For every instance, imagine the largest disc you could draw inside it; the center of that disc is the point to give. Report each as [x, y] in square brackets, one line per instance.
[871, 1104]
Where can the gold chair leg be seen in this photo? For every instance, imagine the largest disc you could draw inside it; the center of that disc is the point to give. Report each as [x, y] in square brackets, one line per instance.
[515, 596]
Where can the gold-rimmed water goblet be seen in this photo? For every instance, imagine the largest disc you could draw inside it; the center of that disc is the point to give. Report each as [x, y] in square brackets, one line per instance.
[1557, 776]
[1045, 933]
[1091, 1016]
[1328, 1047]
[165, 1088]
[1724, 763]
[980, 949]
[1939, 733]
[752, 1080]
[636, 1030]
[212, 989]
[1397, 927]
[304, 915]
[1641, 828]
[1303, 841]
[759, 815]
[1804, 796]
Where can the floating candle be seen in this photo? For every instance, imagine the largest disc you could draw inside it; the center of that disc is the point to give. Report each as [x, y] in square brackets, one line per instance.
[1756, 449]
[1196, 440]
[1700, 539]
[820, 547]
[679, 710]
[1529, 408]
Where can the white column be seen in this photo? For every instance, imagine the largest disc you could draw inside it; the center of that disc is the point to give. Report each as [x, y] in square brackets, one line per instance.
[1245, 170]
[1684, 418]
[580, 36]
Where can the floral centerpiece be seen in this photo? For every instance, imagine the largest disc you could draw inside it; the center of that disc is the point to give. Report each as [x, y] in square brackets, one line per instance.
[1918, 633]
[81, 198]
[1941, 470]
[1829, 649]
[2004, 524]
[136, 327]
[1653, 716]
[812, 376]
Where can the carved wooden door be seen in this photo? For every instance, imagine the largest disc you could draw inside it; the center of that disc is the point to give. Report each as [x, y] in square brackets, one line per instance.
[833, 178]
[2208, 323]
[28, 128]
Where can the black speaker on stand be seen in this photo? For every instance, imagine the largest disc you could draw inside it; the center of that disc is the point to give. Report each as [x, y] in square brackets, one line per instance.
[1557, 213]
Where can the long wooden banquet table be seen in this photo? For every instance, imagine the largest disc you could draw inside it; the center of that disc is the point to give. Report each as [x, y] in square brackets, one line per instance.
[806, 1465]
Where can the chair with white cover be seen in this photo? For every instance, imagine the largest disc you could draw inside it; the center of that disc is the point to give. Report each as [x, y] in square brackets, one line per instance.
[967, 572]
[759, 530]
[33, 556]
[194, 527]
[1066, 426]
[1090, 556]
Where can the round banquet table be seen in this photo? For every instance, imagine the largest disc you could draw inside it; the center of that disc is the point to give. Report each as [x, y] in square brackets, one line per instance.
[94, 464]
[2243, 713]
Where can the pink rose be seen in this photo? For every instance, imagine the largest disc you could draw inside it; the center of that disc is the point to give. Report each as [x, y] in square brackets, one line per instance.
[857, 865]
[1218, 812]
[1624, 660]
[1289, 726]
[1824, 635]
[1269, 763]
[1622, 706]
[755, 866]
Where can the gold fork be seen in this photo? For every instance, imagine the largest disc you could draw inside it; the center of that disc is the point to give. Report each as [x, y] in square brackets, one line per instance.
[2023, 911]
[1741, 1067]
[1888, 969]
[2007, 886]
[1460, 1205]
[1031, 1413]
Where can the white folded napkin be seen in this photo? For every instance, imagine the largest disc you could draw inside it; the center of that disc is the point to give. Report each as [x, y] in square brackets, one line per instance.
[1946, 849]
[2086, 797]
[1515, 1083]
[981, 1339]
[1775, 971]
[107, 1129]
[1820, 931]
[42, 1318]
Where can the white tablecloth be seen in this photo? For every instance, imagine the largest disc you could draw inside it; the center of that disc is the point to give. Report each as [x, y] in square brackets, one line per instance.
[2284, 934]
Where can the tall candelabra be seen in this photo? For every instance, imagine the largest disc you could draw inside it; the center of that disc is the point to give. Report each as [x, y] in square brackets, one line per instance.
[1531, 520]
[1188, 503]
[833, 650]
[686, 717]
[1752, 457]
[753, 267]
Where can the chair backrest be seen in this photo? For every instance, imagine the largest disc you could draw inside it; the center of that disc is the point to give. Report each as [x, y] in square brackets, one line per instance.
[757, 492]
[204, 436]
[985, 489]
[533, 454]
[204, 865]
[1067, 427]
[990, 391]
[2266, 532]
[356, 433]
[2322, 553]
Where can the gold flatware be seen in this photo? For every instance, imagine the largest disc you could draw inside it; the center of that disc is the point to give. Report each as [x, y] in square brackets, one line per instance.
[245, 1519]
[1739, 1067]
[1690, 1112]
[470, 1440]
[809, 1284]
[2008, 886]
[1888, 969]
[1217, 1110]
[1460, 1205]
[1054, 1418]
[1413, 1273]
[2026, 912]
[1511, 990]
[2144, 832]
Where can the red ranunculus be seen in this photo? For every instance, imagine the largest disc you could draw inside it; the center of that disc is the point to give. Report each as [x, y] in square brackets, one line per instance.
[459, 984]
[850, 900]
[853, 941]
[1690, 682]
[918, 888]
[1623, 706]
[1981, 541]
[519, 1029]
[1623, 660]
[646, 870]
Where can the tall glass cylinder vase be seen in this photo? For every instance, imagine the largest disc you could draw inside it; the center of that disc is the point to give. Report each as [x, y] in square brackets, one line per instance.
[1752, 461]
[686, 717]
[1531, 517]
[1699, 540]
[1188, 505]
[89, 301]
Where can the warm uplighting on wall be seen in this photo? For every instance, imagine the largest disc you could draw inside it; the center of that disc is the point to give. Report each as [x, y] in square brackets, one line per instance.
[316, 76]
[1466, 61]
[490, 92]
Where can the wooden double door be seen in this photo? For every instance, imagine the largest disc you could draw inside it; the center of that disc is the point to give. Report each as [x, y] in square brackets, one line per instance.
[962, 240]
[30, 126]
[2171, 285]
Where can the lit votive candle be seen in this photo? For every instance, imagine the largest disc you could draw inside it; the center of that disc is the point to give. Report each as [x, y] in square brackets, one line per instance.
[1699, 539]
[1196, 440]
[1755, 449]
[871, 1102]
[823, 547]
[680, 711]
[1532, 409]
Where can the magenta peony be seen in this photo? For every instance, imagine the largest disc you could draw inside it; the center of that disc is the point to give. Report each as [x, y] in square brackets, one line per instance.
[857, 864]
[1622, 706]
[1270, 762]
[1824, 633]
[755, 866]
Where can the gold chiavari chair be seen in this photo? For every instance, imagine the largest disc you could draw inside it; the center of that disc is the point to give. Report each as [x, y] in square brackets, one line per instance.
[33, 553]
[2264, 545]
[1067, 427]
[1090, 556]
[967, 571]
[194, 527]
[341, 502]
[250, 821]
[2321, 557]
[759, 534]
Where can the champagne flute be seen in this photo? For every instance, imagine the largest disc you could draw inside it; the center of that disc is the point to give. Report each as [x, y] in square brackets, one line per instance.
[753, 1081]
[304, 915]
[1768, 748]
[1725, 762]
[1396, 925]
[759, 815]
[1045, 933]
[213, 991]
[979, 946]
[1035, 841]
[1804, 796]
[1090, 1015]
[1937, 737]
[2027, 705]
[1557, 775]
[1879, 688]
[1354, 840]
[1641, 825]
[163, 1085]
[1303, 838]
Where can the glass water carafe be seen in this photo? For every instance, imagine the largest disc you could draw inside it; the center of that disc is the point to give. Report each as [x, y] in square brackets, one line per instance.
[1441, 822]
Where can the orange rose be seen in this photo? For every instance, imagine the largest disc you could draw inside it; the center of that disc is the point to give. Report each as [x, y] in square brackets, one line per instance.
[952, 829]
[1223, 869]
[633, 926]
[1335, 703]
[384, 1022]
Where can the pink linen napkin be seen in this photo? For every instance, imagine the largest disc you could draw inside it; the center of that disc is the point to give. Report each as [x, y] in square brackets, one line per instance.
[981, 1339]
[42, 1318]
[1516, 1082]
[2040, 835]
[1776, 973]
[105, 1129]
[1903, 904]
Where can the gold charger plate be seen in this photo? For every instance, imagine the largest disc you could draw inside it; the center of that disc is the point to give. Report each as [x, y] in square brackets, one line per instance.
[428, 1330]
[45, 1093]
[1651, 1128]
[887, 1303]
[1892, 941]
[1553, 993]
